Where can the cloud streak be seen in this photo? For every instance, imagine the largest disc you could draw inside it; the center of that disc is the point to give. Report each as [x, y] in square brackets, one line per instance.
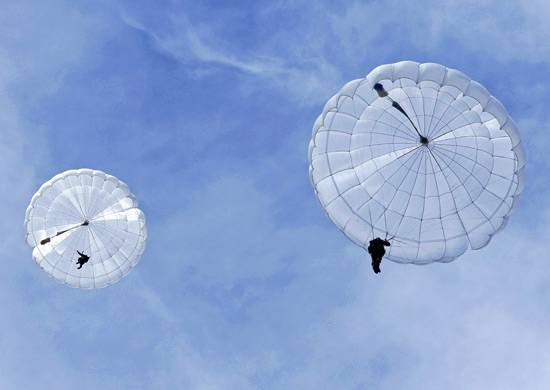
[304, 79]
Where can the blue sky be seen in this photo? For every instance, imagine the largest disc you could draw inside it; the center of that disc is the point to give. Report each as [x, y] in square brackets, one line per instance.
[205, 109]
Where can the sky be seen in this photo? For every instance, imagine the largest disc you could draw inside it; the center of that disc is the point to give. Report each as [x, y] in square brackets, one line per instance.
[205, 109]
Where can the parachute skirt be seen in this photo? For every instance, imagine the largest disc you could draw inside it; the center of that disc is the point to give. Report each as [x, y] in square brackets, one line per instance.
[437, 195]
[91, 212]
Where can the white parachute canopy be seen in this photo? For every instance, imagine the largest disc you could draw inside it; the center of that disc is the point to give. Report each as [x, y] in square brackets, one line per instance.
[86, 212]
[419, 153]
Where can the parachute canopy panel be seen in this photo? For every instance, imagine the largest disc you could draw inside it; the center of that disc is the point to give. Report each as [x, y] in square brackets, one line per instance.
[85, 228]
[420, 153]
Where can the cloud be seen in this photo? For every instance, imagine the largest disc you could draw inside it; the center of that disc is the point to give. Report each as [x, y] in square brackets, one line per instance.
[470, 324]
[22, 343]
[303, 79]
[36, 50]
[310, 58]
[298, 307]
[245, 283]
[511, 31]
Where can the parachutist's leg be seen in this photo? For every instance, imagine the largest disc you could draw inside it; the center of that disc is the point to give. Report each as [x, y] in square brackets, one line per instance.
[376, 264]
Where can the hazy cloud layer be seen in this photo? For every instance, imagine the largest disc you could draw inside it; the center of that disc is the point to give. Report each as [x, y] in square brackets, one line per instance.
[205, 110]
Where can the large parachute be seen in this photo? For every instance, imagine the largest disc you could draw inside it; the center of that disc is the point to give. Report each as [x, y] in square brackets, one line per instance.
[85, 228]
[419, 153]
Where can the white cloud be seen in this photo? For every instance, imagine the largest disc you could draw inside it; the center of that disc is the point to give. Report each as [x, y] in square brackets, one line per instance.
[505, 31]
[477, 323]
[332, 324]
[229, 294]
[306, 60]
[38, 44]
[304, 79]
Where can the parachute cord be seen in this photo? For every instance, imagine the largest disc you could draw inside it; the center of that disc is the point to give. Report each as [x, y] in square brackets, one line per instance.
[400, 109]
[48, 239]
[386, 224]
[371, 225]
[379, 88]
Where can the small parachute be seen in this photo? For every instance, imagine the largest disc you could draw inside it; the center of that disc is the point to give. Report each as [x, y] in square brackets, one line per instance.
[420, 153]
[85, 228]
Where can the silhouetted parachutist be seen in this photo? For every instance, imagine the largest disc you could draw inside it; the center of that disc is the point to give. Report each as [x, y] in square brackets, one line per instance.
[83, 259]
[377, 252]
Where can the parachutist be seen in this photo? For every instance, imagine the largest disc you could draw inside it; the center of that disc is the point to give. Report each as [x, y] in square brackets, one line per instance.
[377, 252]
[83, 259]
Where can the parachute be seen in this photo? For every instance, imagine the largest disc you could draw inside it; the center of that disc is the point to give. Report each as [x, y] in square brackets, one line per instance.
[419, 153]
[85, 228]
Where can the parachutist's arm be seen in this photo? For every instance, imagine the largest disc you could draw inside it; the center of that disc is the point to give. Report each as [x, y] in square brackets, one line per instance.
[386, 243]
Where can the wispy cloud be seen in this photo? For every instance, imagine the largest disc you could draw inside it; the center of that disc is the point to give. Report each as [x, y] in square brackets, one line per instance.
[185, 45]
[303, 79]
